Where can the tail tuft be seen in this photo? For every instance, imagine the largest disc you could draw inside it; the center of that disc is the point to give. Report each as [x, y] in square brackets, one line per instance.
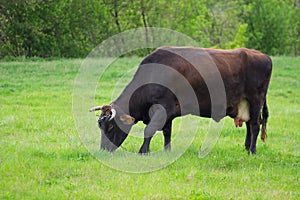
[264, 120]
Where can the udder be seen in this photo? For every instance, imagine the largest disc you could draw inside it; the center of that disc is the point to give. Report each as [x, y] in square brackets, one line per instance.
[243, 113]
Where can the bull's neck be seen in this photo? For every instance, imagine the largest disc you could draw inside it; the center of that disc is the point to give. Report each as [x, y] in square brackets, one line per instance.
[129, 104]
[122, 102]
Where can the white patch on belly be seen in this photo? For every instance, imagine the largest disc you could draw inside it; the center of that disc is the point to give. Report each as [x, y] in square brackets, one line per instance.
[243, 110]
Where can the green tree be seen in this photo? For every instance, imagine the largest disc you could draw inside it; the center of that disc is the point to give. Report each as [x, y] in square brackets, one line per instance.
[296, 24]
[188, 17]
[270, 26]
[228, 29]
[71, 28]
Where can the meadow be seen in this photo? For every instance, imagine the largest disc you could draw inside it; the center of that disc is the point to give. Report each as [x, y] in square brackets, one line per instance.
[43, 157]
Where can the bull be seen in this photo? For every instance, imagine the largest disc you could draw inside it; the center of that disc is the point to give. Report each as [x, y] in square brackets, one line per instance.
[245, 75]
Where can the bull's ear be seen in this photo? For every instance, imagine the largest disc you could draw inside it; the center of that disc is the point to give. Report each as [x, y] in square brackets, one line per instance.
[127, 119]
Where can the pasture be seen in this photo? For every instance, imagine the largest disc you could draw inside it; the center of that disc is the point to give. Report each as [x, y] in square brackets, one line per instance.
[42, 157]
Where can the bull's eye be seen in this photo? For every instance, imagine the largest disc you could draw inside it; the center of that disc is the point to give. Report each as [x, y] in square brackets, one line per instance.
[102, 118]
[110, 127]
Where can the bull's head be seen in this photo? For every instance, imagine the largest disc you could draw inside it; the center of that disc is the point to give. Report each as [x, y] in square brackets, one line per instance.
[115, 126]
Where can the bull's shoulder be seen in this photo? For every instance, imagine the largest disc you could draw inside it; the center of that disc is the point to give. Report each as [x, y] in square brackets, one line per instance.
[167, 55]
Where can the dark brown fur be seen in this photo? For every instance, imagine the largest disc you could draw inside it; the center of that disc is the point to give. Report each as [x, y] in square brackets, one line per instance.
[246, 74]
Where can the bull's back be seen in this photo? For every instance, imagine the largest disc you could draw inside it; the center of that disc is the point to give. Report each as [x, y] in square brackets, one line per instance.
[242, 71]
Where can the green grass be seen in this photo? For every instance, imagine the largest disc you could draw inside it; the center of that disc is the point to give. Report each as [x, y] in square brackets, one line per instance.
[42, 156]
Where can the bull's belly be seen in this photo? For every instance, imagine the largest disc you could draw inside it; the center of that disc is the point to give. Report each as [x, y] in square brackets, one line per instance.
[240, 114]
[243, 113]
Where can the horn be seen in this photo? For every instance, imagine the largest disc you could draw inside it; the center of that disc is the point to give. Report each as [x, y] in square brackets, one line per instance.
[95, 108]
[113, 113]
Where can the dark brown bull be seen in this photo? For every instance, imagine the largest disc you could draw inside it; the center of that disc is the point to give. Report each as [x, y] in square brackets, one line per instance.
[245, 74]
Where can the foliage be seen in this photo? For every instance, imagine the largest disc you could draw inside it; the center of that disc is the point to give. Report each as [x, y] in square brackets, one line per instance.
[42, 156]
[271, 26]
[240, 39]
[68, 28]
[72, 28]
[227, 29]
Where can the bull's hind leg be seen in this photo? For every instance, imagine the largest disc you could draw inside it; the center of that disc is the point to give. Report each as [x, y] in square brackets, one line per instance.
[254, 125]
[248, 137]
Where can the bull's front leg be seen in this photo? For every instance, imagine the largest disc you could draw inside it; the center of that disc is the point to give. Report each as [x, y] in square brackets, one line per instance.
[157, 122]
[167, 136]
[148, 134]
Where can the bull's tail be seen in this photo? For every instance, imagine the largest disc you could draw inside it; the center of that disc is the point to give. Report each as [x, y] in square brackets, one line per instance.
[264, 120]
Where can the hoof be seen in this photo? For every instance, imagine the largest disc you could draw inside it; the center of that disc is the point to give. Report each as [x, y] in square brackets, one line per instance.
[253, 152]
[143, 152]
[167, 147]
[247, 147]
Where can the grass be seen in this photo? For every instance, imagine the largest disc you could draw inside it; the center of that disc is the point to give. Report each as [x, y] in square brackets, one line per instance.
[42, 156]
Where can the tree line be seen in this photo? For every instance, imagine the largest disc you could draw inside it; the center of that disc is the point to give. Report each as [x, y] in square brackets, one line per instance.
[72, 28]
